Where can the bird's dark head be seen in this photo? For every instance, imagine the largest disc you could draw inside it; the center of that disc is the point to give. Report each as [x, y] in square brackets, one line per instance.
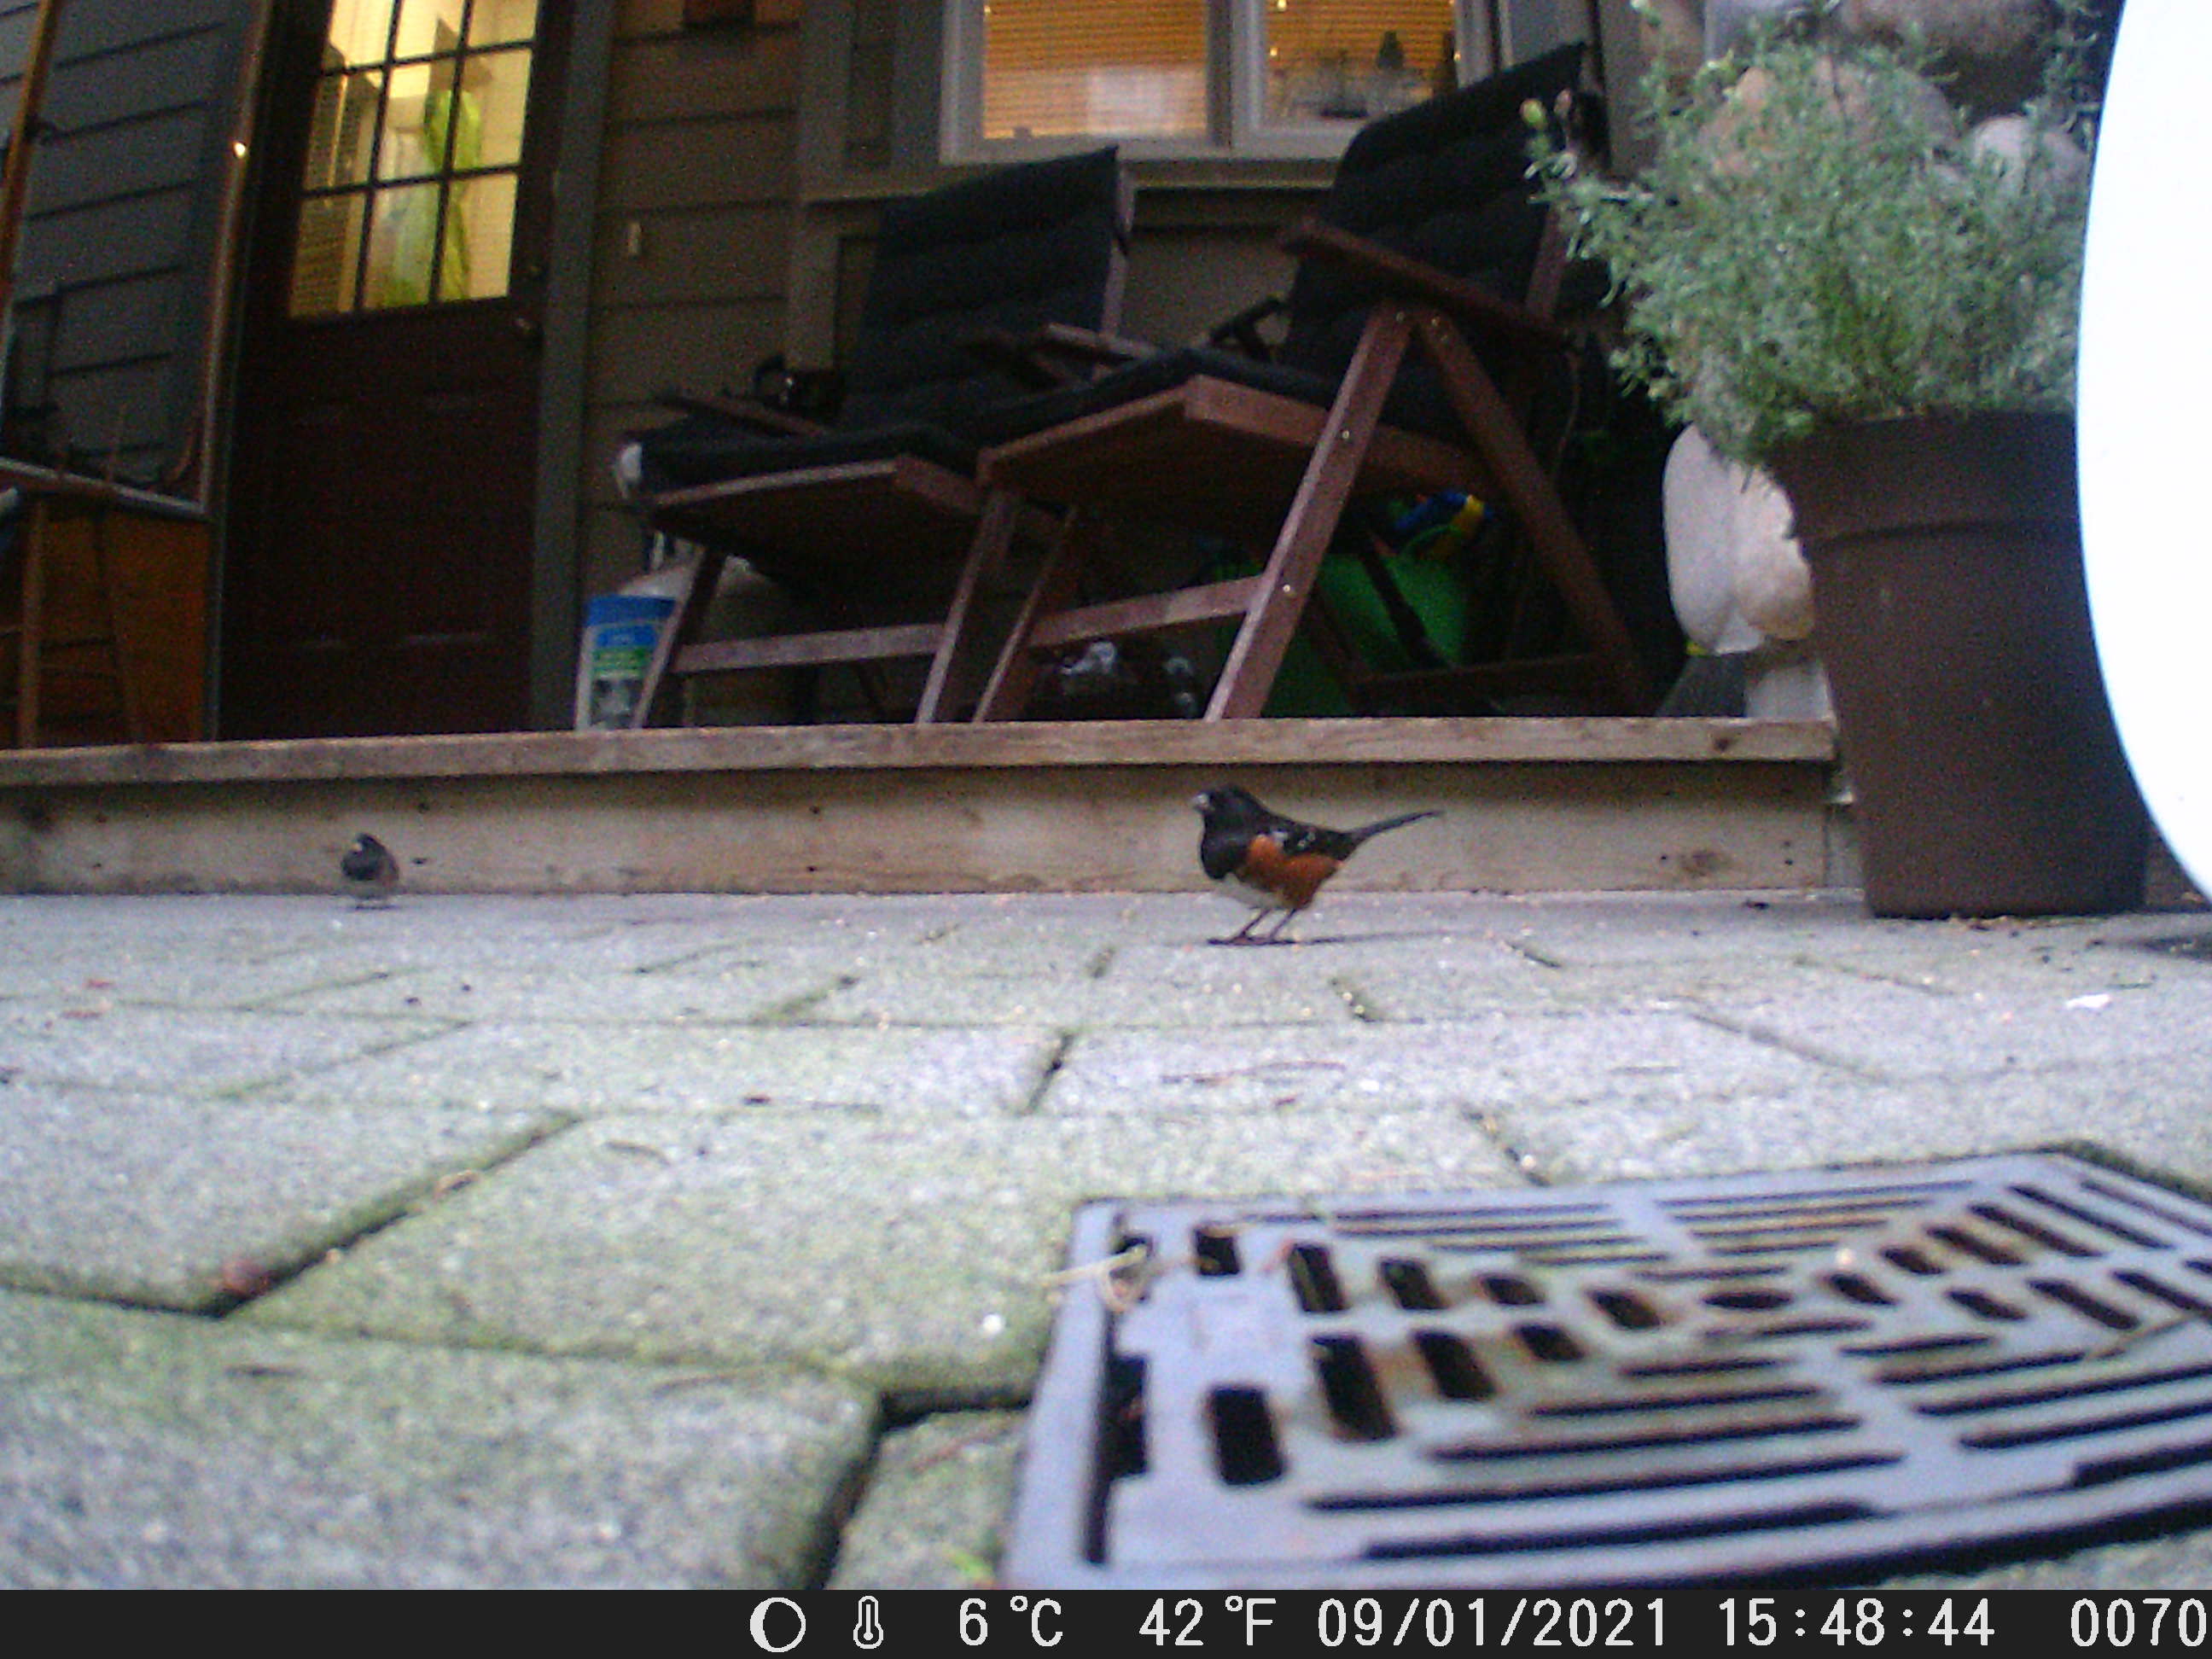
[368, 844]
[1224, 801]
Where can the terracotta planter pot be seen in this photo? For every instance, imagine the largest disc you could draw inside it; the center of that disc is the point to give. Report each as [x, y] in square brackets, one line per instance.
[1951, 613]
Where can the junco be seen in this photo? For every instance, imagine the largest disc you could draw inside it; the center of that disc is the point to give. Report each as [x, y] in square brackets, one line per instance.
[371, 873]
[1271, 862]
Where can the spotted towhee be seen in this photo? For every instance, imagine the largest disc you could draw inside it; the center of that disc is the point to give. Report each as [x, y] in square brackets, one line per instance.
[1271, 862]
[370, 872]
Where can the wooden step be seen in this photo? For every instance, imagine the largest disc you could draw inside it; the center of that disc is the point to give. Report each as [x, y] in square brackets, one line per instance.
[1528, 806]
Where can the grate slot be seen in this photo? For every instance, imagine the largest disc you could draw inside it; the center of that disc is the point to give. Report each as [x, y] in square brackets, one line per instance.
[1973, 1244]
[1857, 1287]
[1246, 1452]
[2107, 1471]
[2086, 1387]
[1465, 1230]
[1554, 1345]
[1356, 1409]
[1699, 1368]
[2050, 1238]
[2043, 1435]
[1410, 1285]
[2090, 1307]
[1214, 1250]
[1540, 1223]
[2171, 1295]
[1901, 1195]
[1511, 1291]
[1120, 1438]
[1596, 1486]
[1808, 1514]
[1619, 1257]
[1988, 1307]
[1314, 1280]
[1453, 1367]
[1627, 1309]
[1783, 1222]
[1668, 1437]
[1916, 1346]
[1789, 1330]
[1755, 1301]
[1778, 1243]
[2082, 1213]
[1906, 1377]
[2172, 1214]
[1712, 1401]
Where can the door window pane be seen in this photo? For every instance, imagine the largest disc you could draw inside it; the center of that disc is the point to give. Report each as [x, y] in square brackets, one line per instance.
[427, 27]
[496, 22]
[361, 30]
[328, 255]
[415, 127]
[479, 237]
[344, 132]
[403, 245]
[494, 97]
[1126, 68]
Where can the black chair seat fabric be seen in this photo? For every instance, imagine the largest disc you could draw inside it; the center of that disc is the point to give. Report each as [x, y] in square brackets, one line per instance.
[1167, 370]
[1444, 182]
[1164, 371]
[705, 449]
[1008, 252]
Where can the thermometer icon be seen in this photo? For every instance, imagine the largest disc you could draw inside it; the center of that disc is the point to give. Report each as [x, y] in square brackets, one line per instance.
[869, 1631]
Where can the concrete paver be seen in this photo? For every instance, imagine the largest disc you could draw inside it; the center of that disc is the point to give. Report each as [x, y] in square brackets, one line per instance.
[146, 1449]
[909, 1250]
[683, 1066]
[91, 1044]
[190, 1204]
[1470, 1065]
[959, 1468]
[607, 1234]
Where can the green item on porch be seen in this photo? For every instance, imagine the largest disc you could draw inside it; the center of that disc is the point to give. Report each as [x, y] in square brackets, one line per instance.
[1305, 688]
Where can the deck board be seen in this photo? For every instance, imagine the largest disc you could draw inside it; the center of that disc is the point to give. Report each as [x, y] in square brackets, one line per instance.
[1529, 804]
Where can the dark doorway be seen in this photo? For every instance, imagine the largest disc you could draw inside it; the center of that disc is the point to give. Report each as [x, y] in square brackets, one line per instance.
[377, 567]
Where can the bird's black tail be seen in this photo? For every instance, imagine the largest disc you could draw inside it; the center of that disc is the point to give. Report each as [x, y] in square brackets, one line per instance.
[1368, 831]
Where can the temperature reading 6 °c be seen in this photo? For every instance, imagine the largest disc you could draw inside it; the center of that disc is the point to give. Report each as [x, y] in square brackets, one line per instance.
[1043, 1615]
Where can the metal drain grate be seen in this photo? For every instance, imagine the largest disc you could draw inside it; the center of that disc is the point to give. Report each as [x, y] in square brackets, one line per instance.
[1810, 1374]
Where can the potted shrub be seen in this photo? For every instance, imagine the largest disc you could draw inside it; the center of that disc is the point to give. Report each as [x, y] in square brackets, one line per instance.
[1835, 277]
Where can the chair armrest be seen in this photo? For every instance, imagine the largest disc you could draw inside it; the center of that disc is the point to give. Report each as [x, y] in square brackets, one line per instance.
[1243, 330]
[1089, 345]
[744, 412]
[1413, 279]
[1056, 353]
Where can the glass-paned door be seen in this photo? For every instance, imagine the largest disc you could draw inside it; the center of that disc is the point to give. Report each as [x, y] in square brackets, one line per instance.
[380, 541]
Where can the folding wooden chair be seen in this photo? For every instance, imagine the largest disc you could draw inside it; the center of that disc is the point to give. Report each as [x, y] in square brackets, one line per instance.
[1431, 255]
[875, 522]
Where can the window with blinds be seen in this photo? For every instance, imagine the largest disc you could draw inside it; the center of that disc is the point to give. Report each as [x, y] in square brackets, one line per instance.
[1352, 60]
[1189, 76]
[1133, 68]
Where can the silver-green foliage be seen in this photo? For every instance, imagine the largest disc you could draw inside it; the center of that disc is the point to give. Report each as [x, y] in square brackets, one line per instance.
[1833, 250]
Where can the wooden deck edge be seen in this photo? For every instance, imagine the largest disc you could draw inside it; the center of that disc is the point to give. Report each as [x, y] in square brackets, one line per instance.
[1104, 743]
[1525, 806]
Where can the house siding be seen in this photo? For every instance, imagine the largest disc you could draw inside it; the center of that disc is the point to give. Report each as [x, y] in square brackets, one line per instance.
[691, 247]
[113, 291]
